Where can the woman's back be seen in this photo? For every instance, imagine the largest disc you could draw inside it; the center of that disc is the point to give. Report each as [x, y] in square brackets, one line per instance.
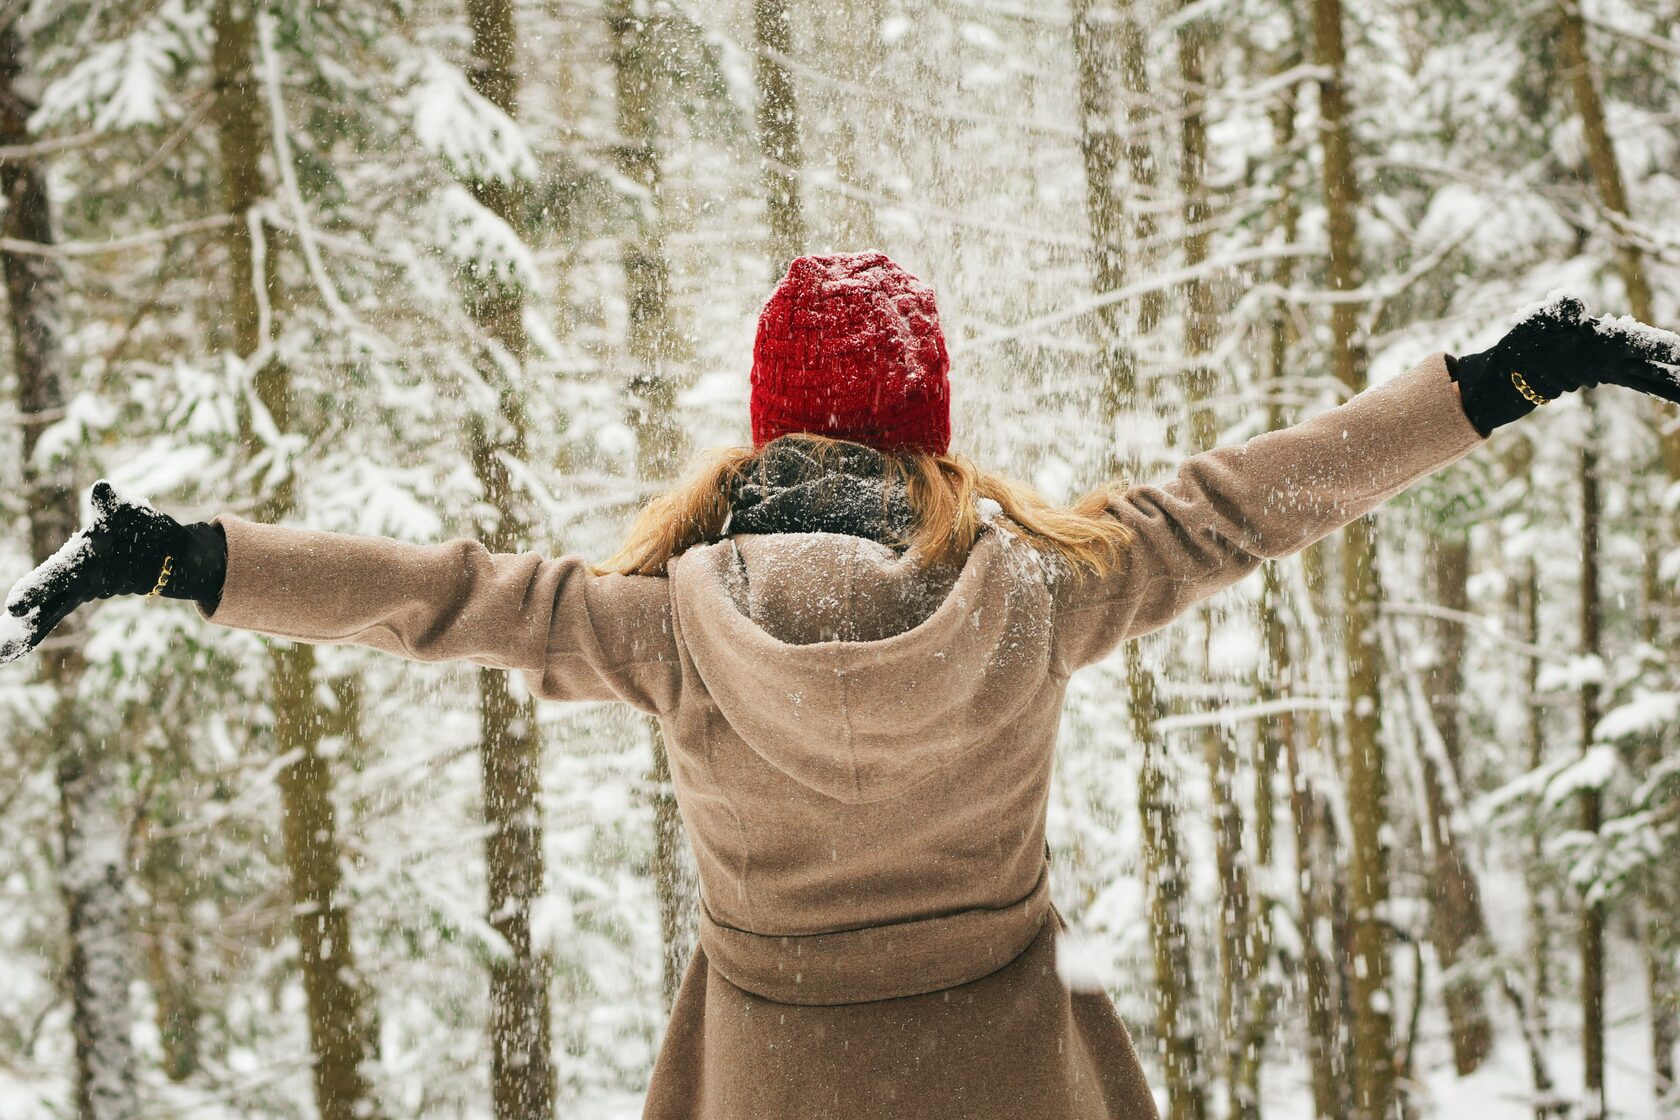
[832, 785]
[862, 754]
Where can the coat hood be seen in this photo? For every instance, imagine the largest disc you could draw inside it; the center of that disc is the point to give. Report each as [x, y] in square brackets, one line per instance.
[853, 669]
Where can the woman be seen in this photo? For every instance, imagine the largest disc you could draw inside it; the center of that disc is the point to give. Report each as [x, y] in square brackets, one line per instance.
[858, 647]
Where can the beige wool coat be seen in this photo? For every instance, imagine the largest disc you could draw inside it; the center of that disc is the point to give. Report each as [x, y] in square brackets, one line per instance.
[862, 753]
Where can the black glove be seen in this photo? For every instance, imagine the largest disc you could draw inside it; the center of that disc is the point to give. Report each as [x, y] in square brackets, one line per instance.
[1557, 349]
[130, 549]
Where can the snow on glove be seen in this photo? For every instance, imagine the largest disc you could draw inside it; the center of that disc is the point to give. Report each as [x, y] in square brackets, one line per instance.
[1557, 348]
[130, 549]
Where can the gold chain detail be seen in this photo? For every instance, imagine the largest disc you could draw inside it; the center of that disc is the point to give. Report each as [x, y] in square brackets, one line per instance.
[163, 576]
[1527, 391]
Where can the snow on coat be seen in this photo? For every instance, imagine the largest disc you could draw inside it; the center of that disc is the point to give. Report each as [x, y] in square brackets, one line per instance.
[861, 751]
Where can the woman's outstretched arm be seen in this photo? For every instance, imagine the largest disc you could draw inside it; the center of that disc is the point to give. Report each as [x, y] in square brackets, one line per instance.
[577, 635]
[574, 634]
[1229, 509]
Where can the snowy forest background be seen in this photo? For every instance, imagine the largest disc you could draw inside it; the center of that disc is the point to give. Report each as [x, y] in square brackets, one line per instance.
[1357, 839]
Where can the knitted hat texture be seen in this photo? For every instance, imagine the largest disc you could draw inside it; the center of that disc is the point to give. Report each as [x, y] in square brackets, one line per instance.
[849, 346]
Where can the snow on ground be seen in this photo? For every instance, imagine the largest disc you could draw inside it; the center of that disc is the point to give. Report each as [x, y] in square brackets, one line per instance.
[1502, 1088]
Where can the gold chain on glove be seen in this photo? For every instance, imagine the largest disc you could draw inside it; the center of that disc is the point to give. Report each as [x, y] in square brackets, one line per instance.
[163, 576]
[1528, 392]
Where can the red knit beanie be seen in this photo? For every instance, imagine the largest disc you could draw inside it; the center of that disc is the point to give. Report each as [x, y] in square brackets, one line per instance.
[849, 346]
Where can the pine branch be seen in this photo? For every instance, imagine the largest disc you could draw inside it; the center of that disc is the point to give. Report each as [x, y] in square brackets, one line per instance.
[70, 249]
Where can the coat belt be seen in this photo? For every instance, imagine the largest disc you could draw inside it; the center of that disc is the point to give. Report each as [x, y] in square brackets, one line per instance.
[876, 962]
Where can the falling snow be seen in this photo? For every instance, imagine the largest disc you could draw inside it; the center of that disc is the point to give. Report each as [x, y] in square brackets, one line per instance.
[461, 288]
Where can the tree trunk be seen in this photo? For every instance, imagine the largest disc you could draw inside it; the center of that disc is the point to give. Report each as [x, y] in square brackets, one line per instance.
[1201, 317]
[1237, 998]
[1662, 985]
[522, 1078]
[1367, 778]
[1595, 1102]
[1094, 28]
[778, 131]
[1524, 606]
[1450, 572]
[94, 874]
[1457, 924]
[1176, 1029]
[1314, 873]
[178, 1007]
[1576, 61]
[1263, 975]
[1661, 892]
[856, 228]
[339, 1029]
[92, 829]
[521, 1067]
[673, 872]
[1282, 737]
[1140, 153]
[171, 941]
[848, 41]
[1601, 153]
[641, 83]
[1539, 919]
[1094, 22]
[340, 1033]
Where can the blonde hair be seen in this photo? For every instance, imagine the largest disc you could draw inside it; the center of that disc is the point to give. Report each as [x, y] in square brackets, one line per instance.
[943, 492]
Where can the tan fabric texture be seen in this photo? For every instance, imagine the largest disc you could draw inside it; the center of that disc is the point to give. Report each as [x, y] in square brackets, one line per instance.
[1016, 1044]
[862, 751]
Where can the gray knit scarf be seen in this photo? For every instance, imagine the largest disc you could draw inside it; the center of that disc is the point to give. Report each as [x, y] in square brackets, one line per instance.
[790, 491]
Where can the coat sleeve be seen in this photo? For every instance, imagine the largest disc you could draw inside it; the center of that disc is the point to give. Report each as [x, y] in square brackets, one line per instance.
[1230, 508]
[573, 634]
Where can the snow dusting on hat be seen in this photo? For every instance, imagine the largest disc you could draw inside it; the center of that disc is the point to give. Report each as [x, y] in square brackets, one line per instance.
[849, 346]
